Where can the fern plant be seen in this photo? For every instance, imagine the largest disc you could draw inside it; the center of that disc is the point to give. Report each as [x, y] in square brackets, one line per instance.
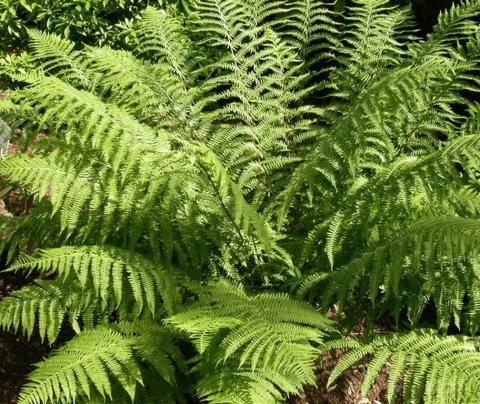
[250, 155]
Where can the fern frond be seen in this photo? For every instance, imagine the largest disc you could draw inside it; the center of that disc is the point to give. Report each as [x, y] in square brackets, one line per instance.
[162, 36]
[42, 303]
[454, 24]
[58, 56]
[450, 374]
[261, 343]
[97, 123]
[88, 363]
[310, 26]
[108, 270]
[242, 215]
[219, 22]
[374, 40]
[45, 305]
[157, 346]
[432, 253]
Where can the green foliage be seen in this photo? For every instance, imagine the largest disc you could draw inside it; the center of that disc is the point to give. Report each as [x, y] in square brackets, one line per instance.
[246, 152]
[434, 369]
[44, 302]
[90, 21]
[92, 359]
[251, 347]
[103, 270]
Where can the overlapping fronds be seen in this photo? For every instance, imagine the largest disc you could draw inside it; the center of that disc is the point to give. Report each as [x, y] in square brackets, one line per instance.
[261, 344]
[92, 361]
[273, 143]
[157, 346]
[454, 24]
[427, 261]
[432, 368]
[108, 271]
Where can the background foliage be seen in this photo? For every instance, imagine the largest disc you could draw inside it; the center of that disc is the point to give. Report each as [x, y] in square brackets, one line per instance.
[84, 21]
[106, 21]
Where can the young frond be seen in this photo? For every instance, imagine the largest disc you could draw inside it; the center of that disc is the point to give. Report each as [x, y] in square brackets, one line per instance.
[162, 37]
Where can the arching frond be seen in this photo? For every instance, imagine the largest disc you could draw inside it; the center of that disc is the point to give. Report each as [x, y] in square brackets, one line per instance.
[92, 361]
[108, 270]
[166, 169]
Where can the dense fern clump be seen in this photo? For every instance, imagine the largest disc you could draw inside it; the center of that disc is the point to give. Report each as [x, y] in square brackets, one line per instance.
[192, 197]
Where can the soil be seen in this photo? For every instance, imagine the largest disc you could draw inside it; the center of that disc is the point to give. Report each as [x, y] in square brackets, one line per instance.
[347, 388]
